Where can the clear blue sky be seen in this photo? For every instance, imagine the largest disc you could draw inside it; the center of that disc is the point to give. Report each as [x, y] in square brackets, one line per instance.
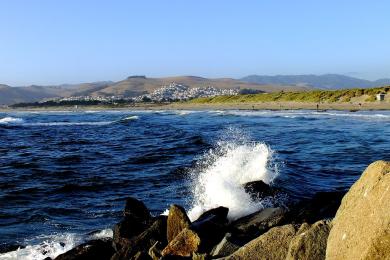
[69, 41]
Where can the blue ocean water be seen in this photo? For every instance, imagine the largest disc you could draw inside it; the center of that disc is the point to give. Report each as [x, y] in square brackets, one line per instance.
[66, 174]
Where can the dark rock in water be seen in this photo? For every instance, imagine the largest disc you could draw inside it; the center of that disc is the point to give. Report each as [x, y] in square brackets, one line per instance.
[225, 247]
[4, 248]
[259, 189]
[94, 249]
[211, 227]
[257, 223]
[125, 230]
[136, 220]
[217, 214]
[177, 221]
[184, 244]
[144, 241]
[323, 205]
[136, 209]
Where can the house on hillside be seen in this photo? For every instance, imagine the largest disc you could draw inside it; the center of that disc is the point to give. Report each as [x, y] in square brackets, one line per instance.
[380, 96]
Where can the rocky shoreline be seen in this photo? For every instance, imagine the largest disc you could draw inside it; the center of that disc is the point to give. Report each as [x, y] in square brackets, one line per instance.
[331, 225]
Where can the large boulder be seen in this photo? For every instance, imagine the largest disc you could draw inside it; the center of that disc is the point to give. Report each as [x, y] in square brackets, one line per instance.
[184, 244]
[322, 205]
[259, 189]
[135, 221]
[309, 242]
[177, 221]
[225, 247]
[272, 245]
[361, 228]
[211, 227]
[144, 241]
[136, 209]
[257, 223]
[94, 249]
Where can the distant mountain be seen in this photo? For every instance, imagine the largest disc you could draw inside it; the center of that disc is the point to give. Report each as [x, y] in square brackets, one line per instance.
[327, 81]
[130, 87]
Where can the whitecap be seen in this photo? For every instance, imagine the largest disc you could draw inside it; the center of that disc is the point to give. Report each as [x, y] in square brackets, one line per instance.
[219, 179]
[11, 120]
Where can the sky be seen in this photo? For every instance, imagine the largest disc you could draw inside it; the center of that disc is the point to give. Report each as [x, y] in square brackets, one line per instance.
[72, 41]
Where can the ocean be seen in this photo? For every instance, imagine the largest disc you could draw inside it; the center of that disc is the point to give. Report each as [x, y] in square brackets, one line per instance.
[65, 175]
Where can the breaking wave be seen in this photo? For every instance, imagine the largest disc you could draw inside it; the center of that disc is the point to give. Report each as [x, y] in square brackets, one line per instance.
[130, 118]
[53, 245]
[11, 120]
[220, 174]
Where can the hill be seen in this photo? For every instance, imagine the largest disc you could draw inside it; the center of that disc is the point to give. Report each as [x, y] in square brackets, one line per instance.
[326, 81]
[313, 96]
[131, 87]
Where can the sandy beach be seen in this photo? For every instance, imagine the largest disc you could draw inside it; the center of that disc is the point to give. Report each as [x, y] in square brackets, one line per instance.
[384, 105]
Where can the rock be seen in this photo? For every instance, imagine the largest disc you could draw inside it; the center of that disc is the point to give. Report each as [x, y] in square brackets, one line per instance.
[4, 248]
[259, 189]
[184, 244]
[361, 228]
[271, 245]
[155, 251]
[211, 227]
[177, 221]
[323, 205]
[141, 256]
[225, 247]
[259, 222]
[136, 209]
[94, 249]
[310, 241]
[136, 220]
[217, 215]
[144, 241]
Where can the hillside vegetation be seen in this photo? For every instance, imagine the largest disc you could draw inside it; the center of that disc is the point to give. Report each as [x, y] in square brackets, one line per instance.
[315, 96]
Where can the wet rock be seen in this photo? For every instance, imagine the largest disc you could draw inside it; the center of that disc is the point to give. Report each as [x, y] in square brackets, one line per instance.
[94, 249]
[217, 215]
[259, 222]
[136, 220]
[177, 221]
[225, 247]
[184, 244]
[259, 189]
[4, 248]
[211, 227]
[361, 228]
[273, 244]
[310, 241]
[144, 241]
[136, 210]
[323, 205]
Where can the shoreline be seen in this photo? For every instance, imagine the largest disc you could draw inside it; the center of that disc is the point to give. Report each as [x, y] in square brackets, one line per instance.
[352, 107]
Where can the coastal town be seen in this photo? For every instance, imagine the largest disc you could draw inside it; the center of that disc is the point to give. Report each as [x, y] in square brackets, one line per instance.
[168, 93]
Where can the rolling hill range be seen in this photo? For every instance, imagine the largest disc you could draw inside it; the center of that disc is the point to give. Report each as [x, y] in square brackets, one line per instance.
[138, 85]
[326, 81]
[130, 87]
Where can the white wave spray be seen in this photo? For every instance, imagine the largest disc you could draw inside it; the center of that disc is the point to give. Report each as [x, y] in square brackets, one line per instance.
[11, 120]
[223, 171]
[52, 245]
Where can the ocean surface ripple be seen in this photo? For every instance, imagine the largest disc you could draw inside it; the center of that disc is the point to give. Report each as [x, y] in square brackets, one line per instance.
[65, 174]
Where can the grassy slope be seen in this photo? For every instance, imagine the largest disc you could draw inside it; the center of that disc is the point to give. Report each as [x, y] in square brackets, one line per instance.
[329, 96]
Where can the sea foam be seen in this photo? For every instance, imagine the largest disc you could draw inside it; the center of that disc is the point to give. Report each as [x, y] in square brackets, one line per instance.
[11, 120]
[218, 180]
[52, 245]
